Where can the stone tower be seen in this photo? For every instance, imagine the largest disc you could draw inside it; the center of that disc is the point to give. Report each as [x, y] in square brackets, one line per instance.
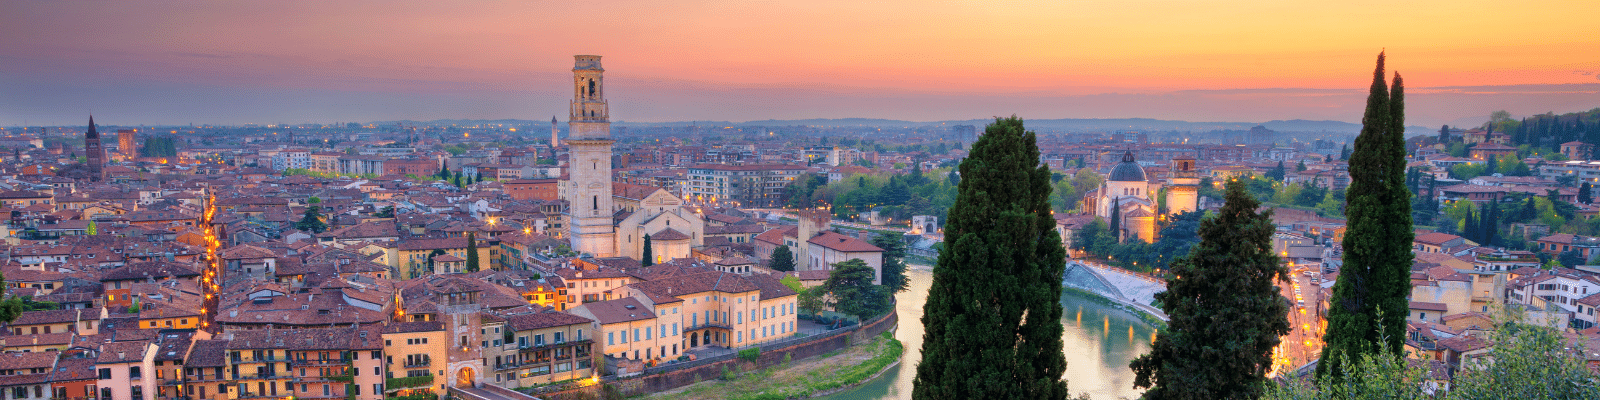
[1183, 188]
[813, 221]
[96, 155]
[553, 141]
[125, 143]
[589, 162]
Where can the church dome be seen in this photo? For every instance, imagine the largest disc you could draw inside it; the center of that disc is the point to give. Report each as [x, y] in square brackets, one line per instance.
[1127, 170]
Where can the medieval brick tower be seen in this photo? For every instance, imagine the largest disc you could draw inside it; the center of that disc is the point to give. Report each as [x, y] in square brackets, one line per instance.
[1183, 188]
[96, 155]
[589, 162]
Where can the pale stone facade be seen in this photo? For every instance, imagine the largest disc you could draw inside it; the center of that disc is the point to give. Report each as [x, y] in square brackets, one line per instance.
[589, 162]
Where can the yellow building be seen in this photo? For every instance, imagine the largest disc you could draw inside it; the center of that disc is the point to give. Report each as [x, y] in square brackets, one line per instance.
[628, 329]
[412, 255]
[537, 349]
[414, 358]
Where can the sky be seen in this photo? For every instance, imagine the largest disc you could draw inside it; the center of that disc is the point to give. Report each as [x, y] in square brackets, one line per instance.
[208, 62]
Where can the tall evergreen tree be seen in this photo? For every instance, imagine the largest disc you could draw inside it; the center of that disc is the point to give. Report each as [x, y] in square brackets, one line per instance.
[1489, 224]
[1115, 224]
[1277, 173]
[472, 253]
[1491, 166]
[1585, 193]
[993, 317]
[649, 256]
[782, 259]
[1226, 312]
[1375, 281]
[1444, 134]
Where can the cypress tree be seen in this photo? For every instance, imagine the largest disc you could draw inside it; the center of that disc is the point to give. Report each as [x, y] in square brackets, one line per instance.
[1115, 225]
[1490, 224]
[1469, 227]
[993, 317]
[472, 252]
[1375, 281]
[649, 257]
[1585, 193]
[1226, 312]
[1492, 166]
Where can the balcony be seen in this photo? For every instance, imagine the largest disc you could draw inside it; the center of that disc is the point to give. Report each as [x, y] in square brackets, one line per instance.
[331, 361]
[417, 363]
[268, 375]
[238, 360]
[409, 382]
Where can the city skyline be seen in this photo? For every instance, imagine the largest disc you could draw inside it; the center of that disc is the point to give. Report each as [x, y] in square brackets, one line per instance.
[1247, 61]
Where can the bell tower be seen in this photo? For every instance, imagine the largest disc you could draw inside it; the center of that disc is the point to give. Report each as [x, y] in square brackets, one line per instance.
[589, 162]
[1183, 187]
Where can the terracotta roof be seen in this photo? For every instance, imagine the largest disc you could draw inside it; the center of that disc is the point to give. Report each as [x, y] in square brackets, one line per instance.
[618, 311]
[413, 327]
[207, 353]
[839, 242]
[771, 287]
[543, 320]
[49, 317]
[430, 244]
[669, 234]
[1422, 305]
[122, 352]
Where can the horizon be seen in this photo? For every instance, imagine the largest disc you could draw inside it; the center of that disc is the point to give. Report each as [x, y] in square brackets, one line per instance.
[176, 63]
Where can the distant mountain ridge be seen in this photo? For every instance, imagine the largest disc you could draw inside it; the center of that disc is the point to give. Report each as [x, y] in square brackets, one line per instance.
[1070, 124]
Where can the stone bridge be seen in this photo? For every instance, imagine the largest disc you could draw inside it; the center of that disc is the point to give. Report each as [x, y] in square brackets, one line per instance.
[1124, 287]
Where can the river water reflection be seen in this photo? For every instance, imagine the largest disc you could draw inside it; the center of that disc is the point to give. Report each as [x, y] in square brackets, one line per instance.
[1099, 340]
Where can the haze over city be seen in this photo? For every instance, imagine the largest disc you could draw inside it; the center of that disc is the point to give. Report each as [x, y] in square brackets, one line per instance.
[1248, 61]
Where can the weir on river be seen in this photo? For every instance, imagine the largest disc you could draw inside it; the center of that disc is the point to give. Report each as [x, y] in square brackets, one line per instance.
[1099, 341]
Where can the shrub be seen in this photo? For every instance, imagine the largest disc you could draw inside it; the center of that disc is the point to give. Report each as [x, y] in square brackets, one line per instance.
[750, 354]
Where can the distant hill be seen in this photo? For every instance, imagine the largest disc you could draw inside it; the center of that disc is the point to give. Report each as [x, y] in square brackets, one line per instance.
[1065, 124]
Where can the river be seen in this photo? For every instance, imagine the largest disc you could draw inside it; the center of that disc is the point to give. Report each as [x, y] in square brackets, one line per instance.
[1099, 340]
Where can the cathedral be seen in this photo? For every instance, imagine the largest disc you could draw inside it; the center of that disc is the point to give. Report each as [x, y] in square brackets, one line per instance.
[610, 219]
[1127, 192]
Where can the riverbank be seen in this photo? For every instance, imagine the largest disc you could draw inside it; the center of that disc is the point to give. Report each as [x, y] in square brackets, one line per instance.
[817, 376]
[1109, 302]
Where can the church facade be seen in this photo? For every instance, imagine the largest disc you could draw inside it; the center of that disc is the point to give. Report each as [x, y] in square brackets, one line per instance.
[1127, 193]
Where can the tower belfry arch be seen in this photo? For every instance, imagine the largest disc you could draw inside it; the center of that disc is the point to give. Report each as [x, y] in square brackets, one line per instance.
[589, 145]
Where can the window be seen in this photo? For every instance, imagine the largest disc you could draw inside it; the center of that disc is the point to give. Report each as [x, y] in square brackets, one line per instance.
[611, 338]
[105, 373]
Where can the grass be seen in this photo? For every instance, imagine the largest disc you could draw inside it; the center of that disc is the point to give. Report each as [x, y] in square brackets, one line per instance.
[801, 378]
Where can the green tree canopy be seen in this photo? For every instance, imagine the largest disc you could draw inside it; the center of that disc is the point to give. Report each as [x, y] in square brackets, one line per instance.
[993, 317]
[852, 292]
[1226, 313]
[472, 252]
[894, 263]
[1374, 283]
[312, 221]
[782, 259]
[649, 256]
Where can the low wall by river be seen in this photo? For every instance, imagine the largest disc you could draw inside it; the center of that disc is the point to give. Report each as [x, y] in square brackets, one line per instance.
[673, 376]
[1130, 289]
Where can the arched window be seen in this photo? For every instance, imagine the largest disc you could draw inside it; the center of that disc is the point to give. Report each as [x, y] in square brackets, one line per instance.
[596, 202]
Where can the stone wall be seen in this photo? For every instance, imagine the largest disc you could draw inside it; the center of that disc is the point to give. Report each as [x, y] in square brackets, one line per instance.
[652, 382]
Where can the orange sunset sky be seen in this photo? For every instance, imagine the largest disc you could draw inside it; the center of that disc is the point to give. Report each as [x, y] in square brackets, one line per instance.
[137, 62]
